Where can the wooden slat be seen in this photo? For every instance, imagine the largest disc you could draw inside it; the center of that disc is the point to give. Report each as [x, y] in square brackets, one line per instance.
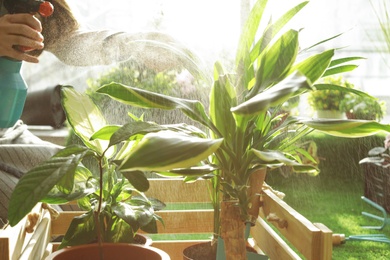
[4, 247]
[186, 221]
[326, 248]
[191, 221]
[175, 190]
[305, 236]
[271, 243]
[60, 225]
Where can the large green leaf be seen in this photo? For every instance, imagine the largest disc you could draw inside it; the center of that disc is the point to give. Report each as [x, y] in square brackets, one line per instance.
[81, 231]
[196, 171]
[323, 86]
[293, 85]
[315, 66]
[146, 99]
[276, 61]
[84, 117]
[84, 185]
[222, 98]
[273, 29]
[168, 150]
[134, 215]
[346, 128]
[339, 69]
[138, 180]
[250, 29]
[37, 183]
[118, 134]
[276, 159]
[120, 232]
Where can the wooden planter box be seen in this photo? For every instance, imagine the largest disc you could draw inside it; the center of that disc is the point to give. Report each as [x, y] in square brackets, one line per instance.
[377, 185]
[188, 212]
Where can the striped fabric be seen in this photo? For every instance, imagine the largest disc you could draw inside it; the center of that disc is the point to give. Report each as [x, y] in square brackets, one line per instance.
[20, 151]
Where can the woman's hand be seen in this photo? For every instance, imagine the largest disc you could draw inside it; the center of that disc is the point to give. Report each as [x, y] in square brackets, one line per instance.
[20, 30]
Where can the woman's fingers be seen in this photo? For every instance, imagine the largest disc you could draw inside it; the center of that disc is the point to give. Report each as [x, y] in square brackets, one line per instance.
[26, 19]
[19, 34]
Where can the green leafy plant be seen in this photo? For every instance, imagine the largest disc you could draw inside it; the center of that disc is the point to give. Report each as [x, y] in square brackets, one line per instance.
[112, 193]
[330, 99]
[243, 111]
[359, 107]
[244, 136]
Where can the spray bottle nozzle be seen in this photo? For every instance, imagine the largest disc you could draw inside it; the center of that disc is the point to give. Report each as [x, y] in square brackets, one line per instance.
[44, 8]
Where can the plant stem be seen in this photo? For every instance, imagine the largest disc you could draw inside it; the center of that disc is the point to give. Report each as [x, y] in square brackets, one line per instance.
[97, 213]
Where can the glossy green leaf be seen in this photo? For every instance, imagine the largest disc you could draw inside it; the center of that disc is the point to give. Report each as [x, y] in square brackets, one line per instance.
[134, 215]
[322, 86]
[146, 99]
[315, 66]
[105, 132]
[276, 61]
[340, 61]
[37, 183]
[347, 128]
[339, 69]
[277, 158]
[120, 232]
[168, 150]
[81, 231]
[86, 119]
[133, 128]
[273, 29]
[244, 63]
[137, 179]
[293, 85]
[151, 227]
[222, 98]
[84, 185]
[192, 171]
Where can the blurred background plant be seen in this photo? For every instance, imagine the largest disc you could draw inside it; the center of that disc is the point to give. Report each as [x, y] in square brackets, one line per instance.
[329, 99]
[358, 107]
[174, 83]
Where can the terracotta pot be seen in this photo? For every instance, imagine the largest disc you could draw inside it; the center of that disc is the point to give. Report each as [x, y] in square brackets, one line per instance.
[201, 251]
[110, 251]
[204, 251]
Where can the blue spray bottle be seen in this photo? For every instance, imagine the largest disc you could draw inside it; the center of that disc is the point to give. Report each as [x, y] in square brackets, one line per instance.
[13, 88]
[13, 92]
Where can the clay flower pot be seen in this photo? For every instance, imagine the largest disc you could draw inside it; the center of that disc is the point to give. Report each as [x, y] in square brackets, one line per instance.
[117, 251]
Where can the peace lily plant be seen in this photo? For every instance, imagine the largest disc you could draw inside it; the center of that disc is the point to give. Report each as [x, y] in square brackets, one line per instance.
[244, 138]
[271, 68]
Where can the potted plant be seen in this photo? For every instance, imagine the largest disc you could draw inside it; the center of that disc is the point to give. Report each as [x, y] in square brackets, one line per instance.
[328, 103]
[111, 192]
[243, 112]
[361, 107]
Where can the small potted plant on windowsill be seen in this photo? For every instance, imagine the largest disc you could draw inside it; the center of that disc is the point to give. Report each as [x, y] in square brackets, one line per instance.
[112, 193]
[363, 107]
[327, 103]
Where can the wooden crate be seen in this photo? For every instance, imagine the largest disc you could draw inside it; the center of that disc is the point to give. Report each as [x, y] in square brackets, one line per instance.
[313, 241]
